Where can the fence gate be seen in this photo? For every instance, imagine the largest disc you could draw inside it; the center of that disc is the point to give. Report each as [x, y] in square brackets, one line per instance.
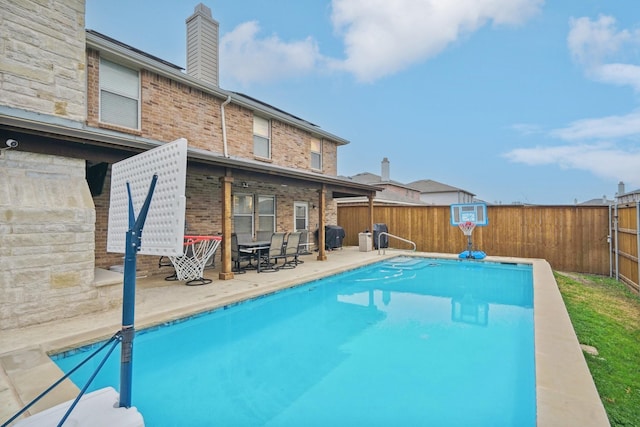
[625, 243]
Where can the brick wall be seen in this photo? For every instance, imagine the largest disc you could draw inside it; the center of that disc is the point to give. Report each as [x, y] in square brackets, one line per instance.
[204, 211]
[172, 110]
[43, 57]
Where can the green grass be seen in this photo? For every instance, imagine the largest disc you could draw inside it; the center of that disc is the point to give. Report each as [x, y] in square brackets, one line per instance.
[606, 315]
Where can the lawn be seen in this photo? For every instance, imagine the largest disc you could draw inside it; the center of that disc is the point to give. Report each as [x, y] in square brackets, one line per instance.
[606, 315]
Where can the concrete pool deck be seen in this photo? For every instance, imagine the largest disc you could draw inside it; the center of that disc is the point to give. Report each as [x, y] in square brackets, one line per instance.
[565, 391]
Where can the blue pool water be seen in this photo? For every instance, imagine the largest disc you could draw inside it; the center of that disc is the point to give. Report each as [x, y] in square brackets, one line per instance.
[404, 342]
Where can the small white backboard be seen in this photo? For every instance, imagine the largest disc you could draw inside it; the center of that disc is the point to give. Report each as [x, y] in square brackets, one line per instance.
[473, 212]
[163, 231]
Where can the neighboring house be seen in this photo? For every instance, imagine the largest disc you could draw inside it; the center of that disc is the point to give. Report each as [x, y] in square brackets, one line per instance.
[436, 193]
[423, 192]
[78, 101]
[603, 201]
[623, 197]
[392, 193]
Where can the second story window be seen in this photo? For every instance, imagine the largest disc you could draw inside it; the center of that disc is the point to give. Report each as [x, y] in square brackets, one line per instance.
[261, 137]
[316, 154]
[119, 95]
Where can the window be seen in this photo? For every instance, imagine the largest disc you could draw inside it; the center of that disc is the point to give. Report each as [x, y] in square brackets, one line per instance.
[119, 95]
[300, 216]
[266, 214]
[261, 137]
[316, 154]
[243, 214]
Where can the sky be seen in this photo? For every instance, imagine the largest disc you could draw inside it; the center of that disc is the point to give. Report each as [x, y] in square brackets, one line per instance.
[515, 101]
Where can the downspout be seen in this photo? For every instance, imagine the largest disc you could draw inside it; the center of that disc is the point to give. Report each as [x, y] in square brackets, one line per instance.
[224, 127]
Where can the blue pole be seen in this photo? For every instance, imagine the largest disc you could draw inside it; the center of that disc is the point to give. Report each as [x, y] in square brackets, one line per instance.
[128, 313]
[132, 245]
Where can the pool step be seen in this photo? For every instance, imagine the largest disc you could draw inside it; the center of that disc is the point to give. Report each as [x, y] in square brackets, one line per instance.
[408, 264]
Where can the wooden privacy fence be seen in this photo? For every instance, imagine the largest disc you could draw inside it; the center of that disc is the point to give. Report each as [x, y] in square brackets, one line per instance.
[626, 244]
[570, 238]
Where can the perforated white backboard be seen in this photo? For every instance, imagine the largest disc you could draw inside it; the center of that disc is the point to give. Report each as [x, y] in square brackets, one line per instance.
[163, 231]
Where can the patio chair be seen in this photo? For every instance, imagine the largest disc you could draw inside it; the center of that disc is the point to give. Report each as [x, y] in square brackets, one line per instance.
[244, 237]
[292, 250]
[276, 250]
[263, 236]
[304, 245]
[288, 254]
[238, 256]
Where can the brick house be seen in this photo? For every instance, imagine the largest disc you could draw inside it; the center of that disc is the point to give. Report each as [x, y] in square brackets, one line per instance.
[77, 101]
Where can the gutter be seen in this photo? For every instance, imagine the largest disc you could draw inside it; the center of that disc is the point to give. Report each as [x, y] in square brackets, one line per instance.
[224, 127]
[55, 127]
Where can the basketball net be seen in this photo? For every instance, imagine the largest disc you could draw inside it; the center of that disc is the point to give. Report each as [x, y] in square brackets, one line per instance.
[467, 227]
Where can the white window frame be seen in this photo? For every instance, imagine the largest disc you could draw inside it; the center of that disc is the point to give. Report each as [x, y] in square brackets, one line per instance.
[244, 214]
[261, 135]
[261, 215]
[123, 83]
[297, 205]
[316, 154]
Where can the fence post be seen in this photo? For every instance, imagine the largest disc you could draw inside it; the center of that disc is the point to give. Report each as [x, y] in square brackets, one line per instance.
[610, 240]
[615, 250]
[638, 241]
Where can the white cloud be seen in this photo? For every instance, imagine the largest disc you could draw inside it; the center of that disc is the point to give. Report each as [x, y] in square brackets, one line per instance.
[603, 160]
[618, 74]
[597, 46]
[248, 58]
[601, 128]
[594, 44]
[382, 37]
[526, 129]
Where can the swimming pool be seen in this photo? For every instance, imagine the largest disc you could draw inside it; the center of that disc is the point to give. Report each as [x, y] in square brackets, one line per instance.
[408, 341]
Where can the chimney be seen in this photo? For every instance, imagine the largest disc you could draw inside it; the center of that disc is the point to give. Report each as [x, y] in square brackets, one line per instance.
[384, 177]
[202, 45]
[620, 188]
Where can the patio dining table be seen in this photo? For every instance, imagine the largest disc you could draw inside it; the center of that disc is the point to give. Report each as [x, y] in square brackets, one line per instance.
[256, 249]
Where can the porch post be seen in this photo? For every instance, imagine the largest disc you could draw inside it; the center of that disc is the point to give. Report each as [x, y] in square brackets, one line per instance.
[227, 203]
[322, 255]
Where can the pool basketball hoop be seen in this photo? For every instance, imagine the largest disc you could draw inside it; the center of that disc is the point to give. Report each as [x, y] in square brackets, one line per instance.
[467, 216]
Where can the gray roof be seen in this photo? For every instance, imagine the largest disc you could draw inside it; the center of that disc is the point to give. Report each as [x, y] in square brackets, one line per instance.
[373, 179]
[431, 186]
[597, 202]
[630, 192]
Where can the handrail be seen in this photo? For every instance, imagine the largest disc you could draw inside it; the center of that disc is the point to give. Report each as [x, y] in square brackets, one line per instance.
[396, 237]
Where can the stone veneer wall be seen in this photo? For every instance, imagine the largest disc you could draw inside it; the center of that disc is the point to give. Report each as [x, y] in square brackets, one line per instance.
[47, 221]
[43, 64]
